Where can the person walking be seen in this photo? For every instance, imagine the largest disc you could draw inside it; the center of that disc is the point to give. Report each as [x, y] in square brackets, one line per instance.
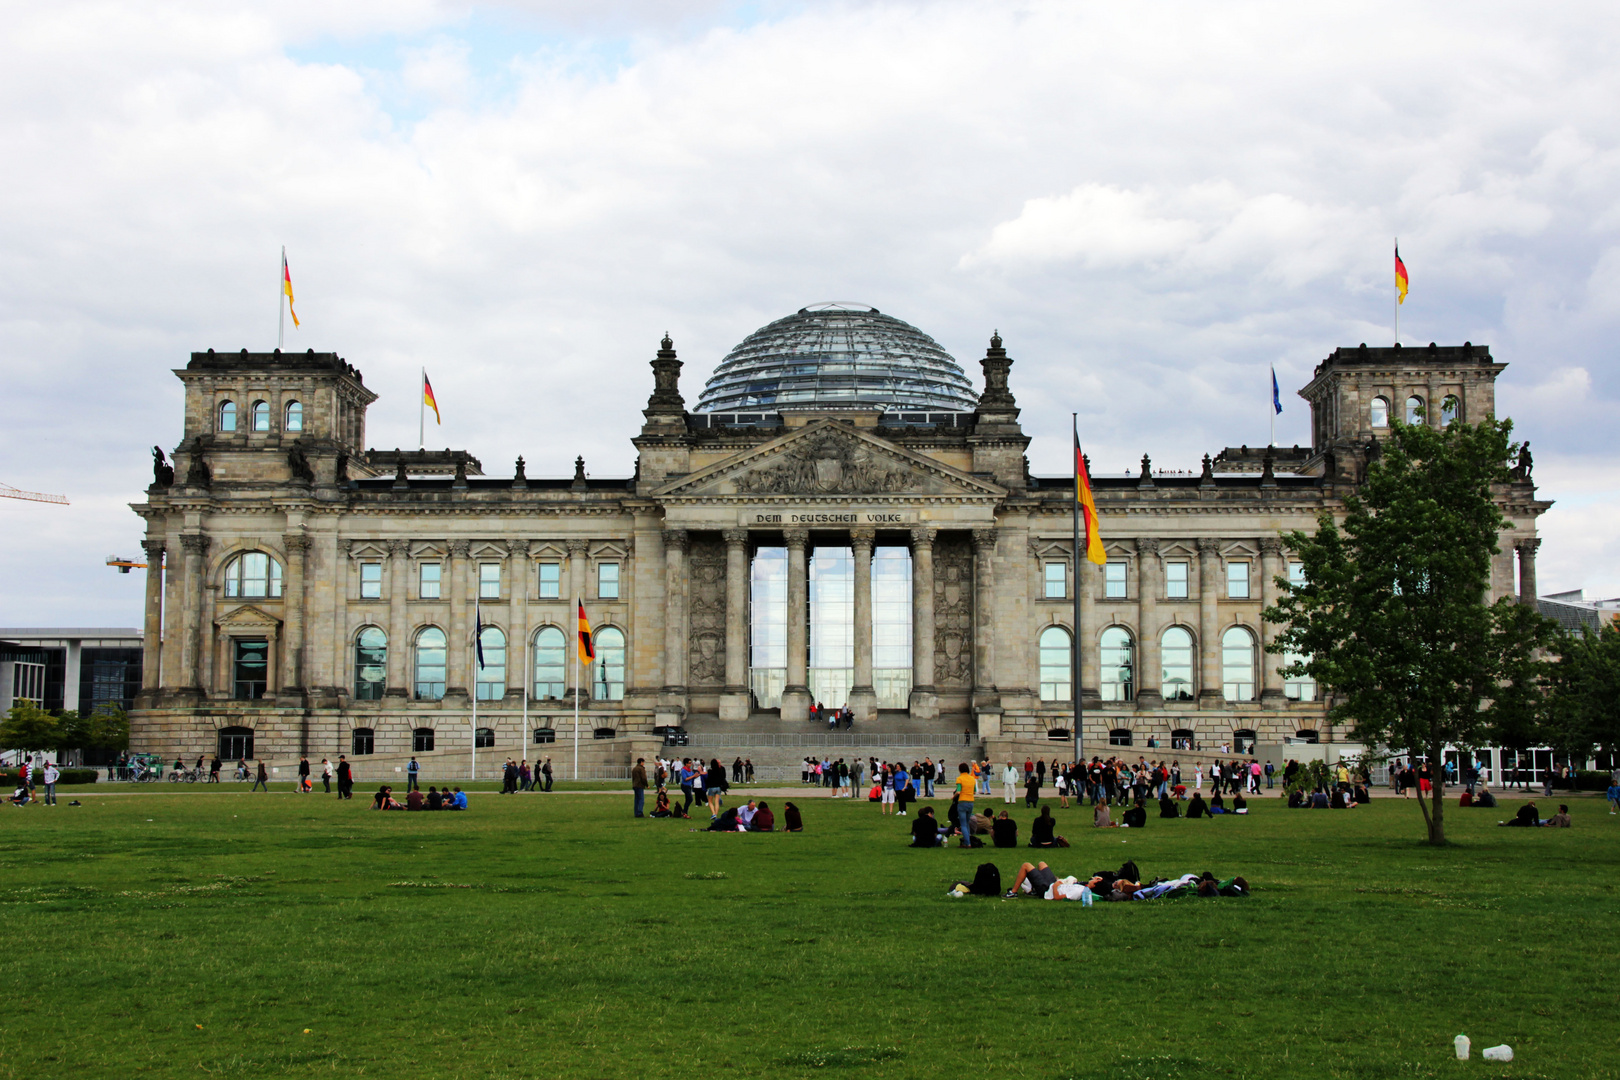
[545, 770]
[264, 779]
[638, 784]
[412, 771]
[51, 775]
[303, 776]
[1270, 773]
[345, 778]
[326, 775]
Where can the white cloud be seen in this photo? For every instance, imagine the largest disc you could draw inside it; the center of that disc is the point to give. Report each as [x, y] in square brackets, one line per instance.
[1153, 204]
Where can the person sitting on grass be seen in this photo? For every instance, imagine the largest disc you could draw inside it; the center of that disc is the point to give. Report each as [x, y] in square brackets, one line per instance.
[1168, 808]
[764, 819]
[725, 822]
[456, 800]
[1004, 832]
[1217, 805]
[925, 831]
[415, 800]
[1319, 799]
[1559, 820]
[1041, 831]
[1135, 817]
[1101, 818]
[745, 815]
[20, 797]
[1296, 799]
[661, 804]
[1240, 805]
[1484, 798]
[791, 822]
[983, 822]
[384, 799]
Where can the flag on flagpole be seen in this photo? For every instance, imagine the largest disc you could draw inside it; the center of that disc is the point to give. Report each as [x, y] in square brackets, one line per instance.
[286, 287]
[428, 400]
[1276, 395]
[478, 633]
[1400, 277]
[1088, 507]
[587, 647]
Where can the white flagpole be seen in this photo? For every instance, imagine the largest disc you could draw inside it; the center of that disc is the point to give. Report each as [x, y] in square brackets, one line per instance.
[579, 666]
[421, 412]
[523, 736]
[1397, 297]
[281, 300]
[475, 729]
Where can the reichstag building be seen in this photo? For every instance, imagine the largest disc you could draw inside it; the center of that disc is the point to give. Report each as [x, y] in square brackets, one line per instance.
[841, 517]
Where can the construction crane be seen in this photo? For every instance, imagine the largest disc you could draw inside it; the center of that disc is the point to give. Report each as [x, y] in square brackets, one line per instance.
[9, 492]
[125, 565]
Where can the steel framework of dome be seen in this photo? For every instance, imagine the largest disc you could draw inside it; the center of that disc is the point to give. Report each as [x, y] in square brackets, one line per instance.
[838, 354]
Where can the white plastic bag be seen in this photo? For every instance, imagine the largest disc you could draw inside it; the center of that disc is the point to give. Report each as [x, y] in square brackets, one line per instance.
[1498, 1053]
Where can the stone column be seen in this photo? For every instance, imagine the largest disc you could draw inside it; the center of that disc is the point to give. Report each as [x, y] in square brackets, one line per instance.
[1271, 683]
[924, 704]
[1209, 646]
[152, 633]
[862, 696]
[292, 646]
[735, 701]
[1085, 579]
[457, 678]
[1145, 663]
[399, 645]
[675, 645]
[576, 582]
[518, 659]
[1527, 569]
[984, 629]
[195, 546]
[796, 694]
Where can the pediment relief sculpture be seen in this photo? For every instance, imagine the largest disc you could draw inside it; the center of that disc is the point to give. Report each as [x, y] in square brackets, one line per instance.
[248, 616]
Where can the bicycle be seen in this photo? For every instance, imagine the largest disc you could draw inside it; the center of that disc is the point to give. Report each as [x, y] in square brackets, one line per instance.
[190, 776]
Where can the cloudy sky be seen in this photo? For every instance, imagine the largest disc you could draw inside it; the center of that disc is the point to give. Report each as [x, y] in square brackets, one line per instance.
[1153, 203]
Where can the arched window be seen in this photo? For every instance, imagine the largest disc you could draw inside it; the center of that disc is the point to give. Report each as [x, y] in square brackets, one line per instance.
[370, 664]
[1119, 737]
[261, 416]
[295, 416]
[550, 663]
[1118, 666]
[483, 738]
[1243, 741]
[362, 741]
[492, 673]
[235, 743]
[1380, 412]
[430, 664]
[1449, 410]
[1183, 739]
[608, 683]
[1237, 665]
[422, 741]
[1306, 736]
[1414, 410]
[253, 574]
[227, 416]
[1297, 687]
[1176, 656]
[1057, 679]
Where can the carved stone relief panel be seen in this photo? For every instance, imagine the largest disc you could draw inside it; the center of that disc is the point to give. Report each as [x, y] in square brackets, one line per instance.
[828, 464]
[706, 610]
[953, 610]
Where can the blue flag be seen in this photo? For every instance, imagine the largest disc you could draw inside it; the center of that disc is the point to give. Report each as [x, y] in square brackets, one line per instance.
[1276, 397]
[478, 633]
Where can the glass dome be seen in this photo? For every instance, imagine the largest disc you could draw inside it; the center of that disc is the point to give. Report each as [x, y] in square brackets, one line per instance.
[838, 354]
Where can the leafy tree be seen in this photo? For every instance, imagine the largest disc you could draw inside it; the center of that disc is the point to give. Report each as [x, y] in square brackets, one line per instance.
[1391, 618]
[111, 728]
[28, 727]
[1584, 703]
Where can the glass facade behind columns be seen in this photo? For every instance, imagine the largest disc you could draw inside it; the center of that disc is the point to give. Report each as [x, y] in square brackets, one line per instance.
[891, 626]
[767, 626]
[832, 625]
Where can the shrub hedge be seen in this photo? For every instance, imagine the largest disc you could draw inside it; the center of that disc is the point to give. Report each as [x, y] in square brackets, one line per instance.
[8, 777]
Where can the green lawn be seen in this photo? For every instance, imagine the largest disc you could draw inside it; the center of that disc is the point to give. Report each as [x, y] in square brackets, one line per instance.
[200, 932]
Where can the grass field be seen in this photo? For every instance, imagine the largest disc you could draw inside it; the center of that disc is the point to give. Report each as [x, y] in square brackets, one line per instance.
[201, 932]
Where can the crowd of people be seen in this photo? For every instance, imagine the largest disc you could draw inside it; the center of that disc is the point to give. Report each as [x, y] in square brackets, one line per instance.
[415, 799]
[1040, 881]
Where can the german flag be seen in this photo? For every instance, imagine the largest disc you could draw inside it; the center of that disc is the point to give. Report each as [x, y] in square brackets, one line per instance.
[286, 287]
[427, 396]
[1087, 505]
[587, 647]
[1400, 277]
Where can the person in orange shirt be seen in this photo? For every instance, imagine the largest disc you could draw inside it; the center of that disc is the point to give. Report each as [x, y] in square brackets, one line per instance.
[966, 783]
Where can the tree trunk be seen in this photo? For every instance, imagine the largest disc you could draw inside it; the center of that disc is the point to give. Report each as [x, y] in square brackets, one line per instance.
[1437, 791]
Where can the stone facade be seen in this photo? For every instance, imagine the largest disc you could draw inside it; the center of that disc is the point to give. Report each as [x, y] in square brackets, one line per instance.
[281, 540]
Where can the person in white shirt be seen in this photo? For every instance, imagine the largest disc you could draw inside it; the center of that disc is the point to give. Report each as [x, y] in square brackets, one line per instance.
[1009, 783]
[52, 775]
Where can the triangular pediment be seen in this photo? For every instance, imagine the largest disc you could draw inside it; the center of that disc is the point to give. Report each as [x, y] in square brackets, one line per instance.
[248, 617]
[828, 458]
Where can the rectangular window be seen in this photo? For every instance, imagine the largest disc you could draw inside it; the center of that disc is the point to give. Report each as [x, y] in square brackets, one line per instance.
[607, 581]
[1296, 573]
[1237, 580]
[1057, 580]
[489, 581]
[1114, 581]
[430, 581]
[1175, 580]
[370, 580]
[250, 664]
[550, 580]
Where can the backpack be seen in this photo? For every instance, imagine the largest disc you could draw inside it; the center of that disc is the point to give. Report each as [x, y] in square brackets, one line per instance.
[1129, 872]
[986, 881]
